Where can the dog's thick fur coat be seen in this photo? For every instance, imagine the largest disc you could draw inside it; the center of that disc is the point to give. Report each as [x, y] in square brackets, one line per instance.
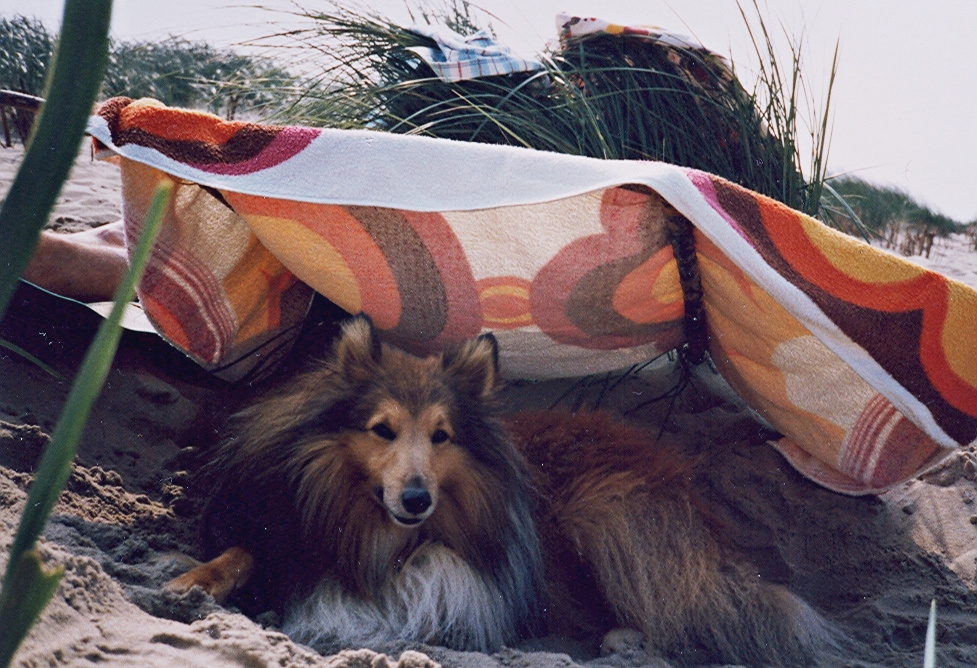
[384, 497]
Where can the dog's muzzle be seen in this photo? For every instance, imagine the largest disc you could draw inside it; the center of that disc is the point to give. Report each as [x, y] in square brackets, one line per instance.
[414, 505]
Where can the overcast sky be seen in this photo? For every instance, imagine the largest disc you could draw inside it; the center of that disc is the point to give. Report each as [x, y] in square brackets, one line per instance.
[904, 104]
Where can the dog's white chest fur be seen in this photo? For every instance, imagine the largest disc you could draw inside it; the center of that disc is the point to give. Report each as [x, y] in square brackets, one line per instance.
[436, 598]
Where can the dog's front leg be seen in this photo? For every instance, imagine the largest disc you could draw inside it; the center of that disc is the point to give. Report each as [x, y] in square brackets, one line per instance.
[218, 577]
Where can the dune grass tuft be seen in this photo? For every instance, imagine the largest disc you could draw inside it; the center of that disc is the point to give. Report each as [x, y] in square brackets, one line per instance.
[604, 96]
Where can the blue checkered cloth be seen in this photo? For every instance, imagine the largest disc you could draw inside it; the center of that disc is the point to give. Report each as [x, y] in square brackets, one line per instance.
[457, 57]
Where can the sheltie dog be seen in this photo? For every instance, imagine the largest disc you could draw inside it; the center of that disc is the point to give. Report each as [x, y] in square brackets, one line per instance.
[384, 497]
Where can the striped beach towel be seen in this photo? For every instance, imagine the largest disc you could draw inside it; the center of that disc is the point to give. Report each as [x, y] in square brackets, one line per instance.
[863, 361]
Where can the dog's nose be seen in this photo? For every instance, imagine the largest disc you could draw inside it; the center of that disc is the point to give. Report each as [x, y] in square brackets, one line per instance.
[415, 500]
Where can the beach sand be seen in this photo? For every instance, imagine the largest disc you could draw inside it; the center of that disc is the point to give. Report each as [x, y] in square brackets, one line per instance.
[870, 564]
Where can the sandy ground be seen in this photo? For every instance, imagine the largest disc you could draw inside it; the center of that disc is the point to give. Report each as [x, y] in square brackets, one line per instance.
[871, 564]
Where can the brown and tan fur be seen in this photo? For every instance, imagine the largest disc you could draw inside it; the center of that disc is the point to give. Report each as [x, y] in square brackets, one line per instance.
[383, 497]
[627, 542]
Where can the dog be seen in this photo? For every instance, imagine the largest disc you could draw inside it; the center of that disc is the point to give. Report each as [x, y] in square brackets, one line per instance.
[385, 497]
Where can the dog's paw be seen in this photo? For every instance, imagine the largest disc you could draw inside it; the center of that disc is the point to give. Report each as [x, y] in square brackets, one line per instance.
[218, 577]
[189, 580]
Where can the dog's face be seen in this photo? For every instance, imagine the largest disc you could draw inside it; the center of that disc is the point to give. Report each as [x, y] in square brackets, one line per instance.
[404, 436]
[406, 453]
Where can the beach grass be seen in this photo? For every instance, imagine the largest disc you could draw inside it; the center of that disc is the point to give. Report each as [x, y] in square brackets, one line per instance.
[73, 82]
[603, 96]
[897, 221]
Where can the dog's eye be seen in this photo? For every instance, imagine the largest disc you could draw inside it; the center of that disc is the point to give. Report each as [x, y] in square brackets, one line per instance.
[383, 431]
[440, 436]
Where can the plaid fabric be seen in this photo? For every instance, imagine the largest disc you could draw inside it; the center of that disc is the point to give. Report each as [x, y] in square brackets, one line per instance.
[458, 58]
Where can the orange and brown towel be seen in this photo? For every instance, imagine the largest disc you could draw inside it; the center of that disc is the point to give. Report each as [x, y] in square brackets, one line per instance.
[864, 362]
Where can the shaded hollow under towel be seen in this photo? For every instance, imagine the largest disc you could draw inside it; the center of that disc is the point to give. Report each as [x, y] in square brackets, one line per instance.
[863, 361]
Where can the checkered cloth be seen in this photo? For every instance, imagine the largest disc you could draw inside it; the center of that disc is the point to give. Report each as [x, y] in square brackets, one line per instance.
[458, 57]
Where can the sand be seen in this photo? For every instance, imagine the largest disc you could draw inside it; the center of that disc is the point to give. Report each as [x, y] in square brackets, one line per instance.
[126, 520]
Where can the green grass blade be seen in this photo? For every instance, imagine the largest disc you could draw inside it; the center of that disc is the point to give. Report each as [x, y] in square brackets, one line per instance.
[31, 587]
[73, 83]
[17, 350]
[929, 654]
[55, 464]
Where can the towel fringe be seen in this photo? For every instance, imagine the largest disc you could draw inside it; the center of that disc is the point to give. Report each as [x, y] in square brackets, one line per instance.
[680, 235]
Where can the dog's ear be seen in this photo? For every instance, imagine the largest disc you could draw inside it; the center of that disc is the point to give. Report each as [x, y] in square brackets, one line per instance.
[358, 348]
[474, 365]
